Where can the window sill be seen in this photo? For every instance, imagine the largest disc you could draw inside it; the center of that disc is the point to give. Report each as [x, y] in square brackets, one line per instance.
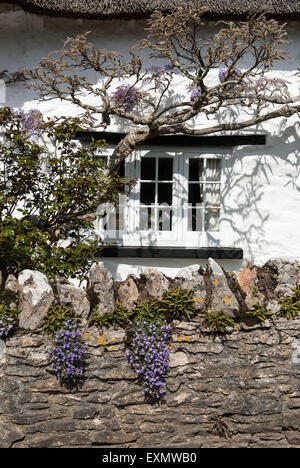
[171, 252]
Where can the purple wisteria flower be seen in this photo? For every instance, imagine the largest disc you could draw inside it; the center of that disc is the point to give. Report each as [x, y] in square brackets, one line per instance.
[126, 97]
[67, 353]
[149, 355]
[235, 74]
[30, 122]
[195, 93]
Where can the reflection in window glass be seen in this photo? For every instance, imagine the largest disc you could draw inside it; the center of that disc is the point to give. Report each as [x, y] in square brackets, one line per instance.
[165, 219]
[204, 194]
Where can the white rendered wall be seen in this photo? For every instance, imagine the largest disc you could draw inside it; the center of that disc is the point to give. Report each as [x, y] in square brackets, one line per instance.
[261, 184]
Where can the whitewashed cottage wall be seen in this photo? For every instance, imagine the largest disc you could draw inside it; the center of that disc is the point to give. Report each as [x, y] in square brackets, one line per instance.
[260, 184]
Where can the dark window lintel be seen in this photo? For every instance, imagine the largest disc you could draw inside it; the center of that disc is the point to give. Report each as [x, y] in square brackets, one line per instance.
[178, 140]
[172, 252]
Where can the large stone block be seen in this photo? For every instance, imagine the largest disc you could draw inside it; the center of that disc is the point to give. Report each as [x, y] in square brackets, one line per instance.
[76, 298]
[222, 298]
[100, 289]
[36, 296]
[189, 278]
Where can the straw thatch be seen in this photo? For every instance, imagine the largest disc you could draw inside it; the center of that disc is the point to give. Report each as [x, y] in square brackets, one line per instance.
[135, 8]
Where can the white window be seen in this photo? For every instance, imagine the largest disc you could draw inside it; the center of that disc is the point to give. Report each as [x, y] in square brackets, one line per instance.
[176, 201]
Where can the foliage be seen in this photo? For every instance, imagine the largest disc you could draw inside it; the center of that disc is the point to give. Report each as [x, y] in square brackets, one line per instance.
[57, 317]
[148, 355]
[49, 197]
[148, 310]
[119, 318]
[258, 312]
[179, 304]
[67, 353]
[290, 306]
[8, 319]
[138, 91]
[218, 322]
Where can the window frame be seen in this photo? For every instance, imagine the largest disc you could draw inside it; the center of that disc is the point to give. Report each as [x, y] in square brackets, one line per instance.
[179, 236]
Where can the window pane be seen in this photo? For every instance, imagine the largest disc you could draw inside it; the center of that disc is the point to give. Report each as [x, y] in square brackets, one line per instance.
[196, 169]
[212, 220]
[165, 169]
[165, 193]
[195, 218]
[195, 193]
[148, 169]
[146, 219]
[165, 219]
[147, 193]
[212, 198]
[213, 170]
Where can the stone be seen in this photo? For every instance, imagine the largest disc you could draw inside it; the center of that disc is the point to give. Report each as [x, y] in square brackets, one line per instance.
[10, 433]
[127, 292]
[189, 278]
[248, 281]
[286, 270]
[2, 351]
[11, 285]
[73, 297]
[178, 359]
[157, 285]
[36, 296]
[100, 289]
[222, 298]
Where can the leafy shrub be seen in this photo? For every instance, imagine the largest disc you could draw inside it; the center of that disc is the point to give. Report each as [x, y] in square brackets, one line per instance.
[148, 355]
[258, 312]
[118, 318]
[179, 304]
[218, 322]
[8, 319]
[290, 306]
[48, 199]
[149, 310]
[67, 353]
[57, 318]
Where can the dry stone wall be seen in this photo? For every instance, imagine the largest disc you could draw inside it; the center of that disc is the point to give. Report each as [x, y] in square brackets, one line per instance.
[237, 390]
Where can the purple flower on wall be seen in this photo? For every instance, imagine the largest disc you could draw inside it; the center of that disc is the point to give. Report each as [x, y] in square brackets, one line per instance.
[149, 355]
[126, 97]
[6, 325]
[67, 353]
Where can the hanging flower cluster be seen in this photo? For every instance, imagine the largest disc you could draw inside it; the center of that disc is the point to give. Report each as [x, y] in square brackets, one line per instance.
[67, 353]
[30, 122]
[126, 97]
[235, 74]
[6, 324]
[149, 355]
[195, 93]
[8, 319]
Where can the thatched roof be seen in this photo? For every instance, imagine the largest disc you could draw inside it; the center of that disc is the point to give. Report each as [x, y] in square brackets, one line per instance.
[135, 8]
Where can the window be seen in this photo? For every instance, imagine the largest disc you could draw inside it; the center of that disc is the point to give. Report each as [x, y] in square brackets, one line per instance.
[176, 201]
